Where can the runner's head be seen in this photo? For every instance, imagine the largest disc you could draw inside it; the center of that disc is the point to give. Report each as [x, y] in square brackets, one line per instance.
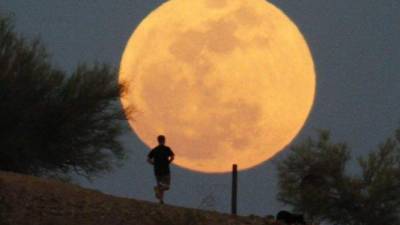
[161, 139]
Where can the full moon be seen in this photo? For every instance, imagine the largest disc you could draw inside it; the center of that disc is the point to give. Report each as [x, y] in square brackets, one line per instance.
[226, 81]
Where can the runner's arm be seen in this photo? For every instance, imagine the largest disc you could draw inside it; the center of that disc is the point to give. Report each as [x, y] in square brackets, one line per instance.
[171, 158]
[150, 160]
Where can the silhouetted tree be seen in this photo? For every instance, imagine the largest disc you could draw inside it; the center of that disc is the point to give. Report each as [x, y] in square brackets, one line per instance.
[51, 122]
[314, 181]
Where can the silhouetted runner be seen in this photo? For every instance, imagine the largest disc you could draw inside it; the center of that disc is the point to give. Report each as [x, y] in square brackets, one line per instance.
[160, 157]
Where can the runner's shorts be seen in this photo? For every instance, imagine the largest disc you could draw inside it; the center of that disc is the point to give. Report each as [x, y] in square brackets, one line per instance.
[164, 181]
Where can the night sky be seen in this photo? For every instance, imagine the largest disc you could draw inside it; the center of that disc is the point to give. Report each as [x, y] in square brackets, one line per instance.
[356, 49]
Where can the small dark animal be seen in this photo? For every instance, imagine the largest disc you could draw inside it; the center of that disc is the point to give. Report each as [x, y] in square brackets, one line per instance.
[289, 218]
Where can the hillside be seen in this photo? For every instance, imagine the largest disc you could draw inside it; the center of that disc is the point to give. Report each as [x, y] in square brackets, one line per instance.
[26, 200]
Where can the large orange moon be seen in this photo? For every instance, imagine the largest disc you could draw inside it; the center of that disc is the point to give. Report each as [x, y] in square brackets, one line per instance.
[226, 81]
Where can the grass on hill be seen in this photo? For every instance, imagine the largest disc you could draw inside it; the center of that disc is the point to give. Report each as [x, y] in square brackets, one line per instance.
[27, 200]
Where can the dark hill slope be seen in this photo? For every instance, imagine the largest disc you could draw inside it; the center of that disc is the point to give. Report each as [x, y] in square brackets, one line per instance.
[26, 200]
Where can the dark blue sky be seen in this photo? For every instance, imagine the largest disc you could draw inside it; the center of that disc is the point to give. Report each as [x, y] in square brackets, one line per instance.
[356, 48]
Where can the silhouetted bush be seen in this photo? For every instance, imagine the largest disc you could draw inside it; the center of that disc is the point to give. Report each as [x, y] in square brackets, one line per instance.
[314, 181]
[52, 122]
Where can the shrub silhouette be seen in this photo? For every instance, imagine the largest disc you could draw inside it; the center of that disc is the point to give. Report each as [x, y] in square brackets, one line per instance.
[52, 123]
[314, 181]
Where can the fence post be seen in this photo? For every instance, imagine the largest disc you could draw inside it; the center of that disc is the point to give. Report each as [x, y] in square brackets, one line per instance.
[234, 190]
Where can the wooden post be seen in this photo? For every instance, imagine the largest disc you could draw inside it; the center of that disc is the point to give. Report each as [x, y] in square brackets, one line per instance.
[234, 190]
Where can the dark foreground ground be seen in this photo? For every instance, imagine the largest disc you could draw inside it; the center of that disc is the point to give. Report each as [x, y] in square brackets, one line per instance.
[26, 200]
